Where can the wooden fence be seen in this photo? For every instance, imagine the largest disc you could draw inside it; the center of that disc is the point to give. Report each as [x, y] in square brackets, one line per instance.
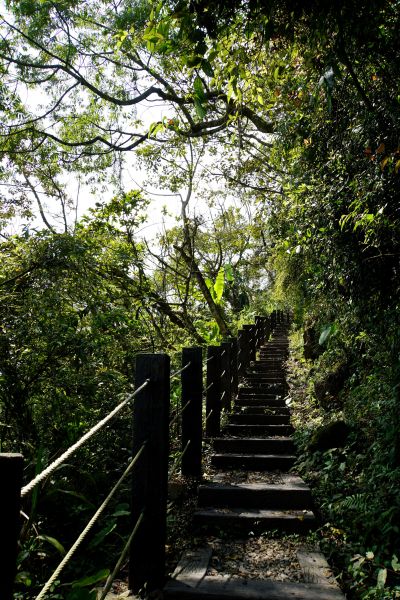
[221, 369]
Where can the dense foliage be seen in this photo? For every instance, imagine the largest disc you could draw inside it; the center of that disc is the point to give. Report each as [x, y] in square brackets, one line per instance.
[282, 120]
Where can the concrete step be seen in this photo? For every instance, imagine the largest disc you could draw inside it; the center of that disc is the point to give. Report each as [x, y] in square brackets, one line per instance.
[281, 419]
[253, 462]
[290, 495]
[254, 445]
[256, 520]
[258, 430]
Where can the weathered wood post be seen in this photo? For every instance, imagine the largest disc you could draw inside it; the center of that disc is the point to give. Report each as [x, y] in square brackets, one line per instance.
[213, 391]
[226, 388]
[273, 320]
[259, 332]
[192, 396]
[234, 366]
[150, 474]
[267, 329]
[252, 341]
[11, 466]
[244, 351]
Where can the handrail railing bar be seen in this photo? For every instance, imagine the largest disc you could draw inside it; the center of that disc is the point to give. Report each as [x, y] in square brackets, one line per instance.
[209, 386]
[209, 414]
[89, 526]
[121, 559]
[178, 460]
[53, 466]
[210, 358]
[179, 371]
[179, 413]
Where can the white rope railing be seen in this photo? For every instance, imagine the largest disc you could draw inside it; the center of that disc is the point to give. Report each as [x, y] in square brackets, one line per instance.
[89, 526]
[55, 464]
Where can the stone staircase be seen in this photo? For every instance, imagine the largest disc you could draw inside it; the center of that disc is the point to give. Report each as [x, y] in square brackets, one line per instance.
[256, 440]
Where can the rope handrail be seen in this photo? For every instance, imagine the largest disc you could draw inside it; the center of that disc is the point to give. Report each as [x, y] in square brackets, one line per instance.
[223, 373]
[89, 526]
[112, 576]
[209, 414]
[209, 386]
[56, 463]
[179, 371]
[179, 413]
[177, 462]
[210, 358]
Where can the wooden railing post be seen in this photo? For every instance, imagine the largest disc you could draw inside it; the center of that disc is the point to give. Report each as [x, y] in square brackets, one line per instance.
[267, 329]
[259, 332]
[234, 366]
[150, 474]
[226, 388]
[244, 351]
[11, 466]
[252, 341]
[192, 396]
[213, 391]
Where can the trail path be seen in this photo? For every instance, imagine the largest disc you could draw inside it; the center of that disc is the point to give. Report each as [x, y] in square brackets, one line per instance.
[251, 493]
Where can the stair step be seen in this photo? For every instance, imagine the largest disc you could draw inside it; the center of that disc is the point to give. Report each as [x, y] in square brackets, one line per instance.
[253, 462]
[254, 445]
[267, 377]
[266, 387]
[268, 382]
[263, 409]
[264, 368]
[261, 402]
[256, 520]
[295, 495]
[249, 392]
[258, 430]
[281, 419]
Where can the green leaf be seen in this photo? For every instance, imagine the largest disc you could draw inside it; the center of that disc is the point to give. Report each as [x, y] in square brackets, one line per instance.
[199, 89]
[200, 110]
[91, 579]
[210, 285]
[156, 127]
[395, 563]
[24, 578]
[229, 273]
[326, 332]
[219, 284]
[55, 543]
[381, 579]
[207, 68]
[103, 533]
